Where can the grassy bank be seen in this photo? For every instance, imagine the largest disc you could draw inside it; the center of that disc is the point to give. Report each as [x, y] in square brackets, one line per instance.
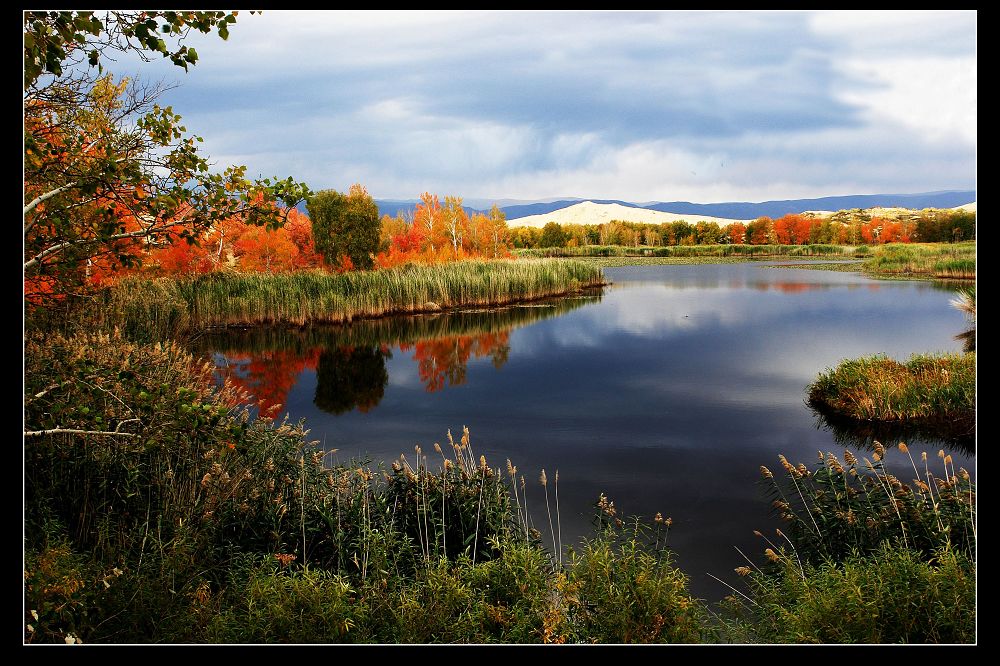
[678, 251]
[926, 390]
[159, 309]
[953, 261]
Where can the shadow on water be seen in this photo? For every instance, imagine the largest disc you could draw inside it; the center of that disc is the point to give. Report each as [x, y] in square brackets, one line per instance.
[350, 360]
[959, 435]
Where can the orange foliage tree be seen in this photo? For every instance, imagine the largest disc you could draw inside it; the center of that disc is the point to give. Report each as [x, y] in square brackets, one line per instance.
[443, 233]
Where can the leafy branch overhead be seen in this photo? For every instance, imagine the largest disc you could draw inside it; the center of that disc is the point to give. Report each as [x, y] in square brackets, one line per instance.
[55, 39]
[108, 171]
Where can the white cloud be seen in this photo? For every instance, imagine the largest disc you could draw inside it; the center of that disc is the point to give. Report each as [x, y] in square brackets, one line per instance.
[704, 106]
[935, 96]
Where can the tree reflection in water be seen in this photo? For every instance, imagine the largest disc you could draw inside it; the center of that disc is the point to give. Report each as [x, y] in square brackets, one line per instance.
[350, 361]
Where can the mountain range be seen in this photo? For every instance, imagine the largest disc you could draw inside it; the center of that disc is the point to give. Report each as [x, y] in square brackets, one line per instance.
[731, 210]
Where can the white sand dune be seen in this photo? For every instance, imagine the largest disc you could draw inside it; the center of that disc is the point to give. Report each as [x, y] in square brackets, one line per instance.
[588, 212]
[969, 206]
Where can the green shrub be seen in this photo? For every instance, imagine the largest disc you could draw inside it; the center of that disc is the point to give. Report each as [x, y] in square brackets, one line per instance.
[891, 596]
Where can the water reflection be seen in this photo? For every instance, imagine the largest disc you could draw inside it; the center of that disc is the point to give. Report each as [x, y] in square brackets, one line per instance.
[350, 361]
[958, 435]
[351, 378]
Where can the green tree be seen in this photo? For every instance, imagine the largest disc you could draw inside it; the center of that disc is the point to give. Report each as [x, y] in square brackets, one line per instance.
[552, 236]
[108, 172]
[345, 226]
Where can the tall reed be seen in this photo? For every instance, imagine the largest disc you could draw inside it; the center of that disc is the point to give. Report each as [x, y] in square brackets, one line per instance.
[157, 309]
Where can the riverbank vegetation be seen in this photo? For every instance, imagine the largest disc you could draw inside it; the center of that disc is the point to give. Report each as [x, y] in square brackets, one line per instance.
[927, 390]
[702, 251]
[159, 309]
[952, 261]
[864, 557]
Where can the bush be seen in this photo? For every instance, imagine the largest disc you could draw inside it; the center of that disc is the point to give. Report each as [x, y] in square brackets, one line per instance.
[894, 596]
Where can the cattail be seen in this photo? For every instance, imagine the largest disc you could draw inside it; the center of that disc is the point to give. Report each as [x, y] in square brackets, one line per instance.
[658, 518]
[437, 447]
[923, 456]
[941, 453]
[766, 473]
[903, 448]
[849, 458]
[879, 449]
[668, 522]
[542, 479]
[510, 469]
[963, 473]
[742, 571]
[771, 555]
[803, 470]
[482, 466]
[758, 534]
[947, 460]
[876, 456]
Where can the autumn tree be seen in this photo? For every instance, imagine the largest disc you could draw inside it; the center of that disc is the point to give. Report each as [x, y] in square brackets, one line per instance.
[427, 217]
[108, 172]
[491, 232]
[455, 222]
[552, 236]
[345, 228]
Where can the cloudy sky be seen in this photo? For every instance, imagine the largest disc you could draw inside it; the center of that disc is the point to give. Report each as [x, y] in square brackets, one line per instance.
[640, 106]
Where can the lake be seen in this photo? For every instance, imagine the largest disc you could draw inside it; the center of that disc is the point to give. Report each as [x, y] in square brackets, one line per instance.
[666, 391]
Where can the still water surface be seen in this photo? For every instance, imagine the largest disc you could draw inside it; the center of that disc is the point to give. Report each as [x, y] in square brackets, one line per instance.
[666, 391]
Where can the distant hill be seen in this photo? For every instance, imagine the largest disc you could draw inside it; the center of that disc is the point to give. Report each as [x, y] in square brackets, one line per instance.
[746, 210]
[732, 210]
[590, 212]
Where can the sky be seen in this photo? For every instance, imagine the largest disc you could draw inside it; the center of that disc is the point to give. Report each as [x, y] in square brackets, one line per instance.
[638, 106]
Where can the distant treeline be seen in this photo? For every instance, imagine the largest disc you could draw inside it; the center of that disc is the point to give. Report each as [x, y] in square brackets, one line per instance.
[844, 228]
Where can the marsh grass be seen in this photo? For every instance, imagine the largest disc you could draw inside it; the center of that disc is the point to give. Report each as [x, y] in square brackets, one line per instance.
[158, 309]
[872, 554]
[927, 390]
[892, 596]
[953, 261]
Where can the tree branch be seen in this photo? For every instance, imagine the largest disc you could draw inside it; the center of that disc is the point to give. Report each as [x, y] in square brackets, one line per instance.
[55, 249]
[48, 195]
